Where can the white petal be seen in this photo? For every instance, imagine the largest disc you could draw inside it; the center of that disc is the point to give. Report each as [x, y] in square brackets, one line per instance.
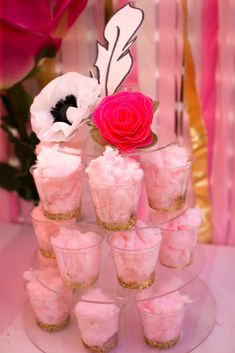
[87, 93]
[73, 115]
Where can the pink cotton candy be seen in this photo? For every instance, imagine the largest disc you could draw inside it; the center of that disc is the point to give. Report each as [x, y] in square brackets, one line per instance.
[103, 307]
[52, 161]
[43, 228]
[97, 322]
[135, 254]
[170, 157]
[72, 238]
[49, 298]
[115, 183]
[166, 174]
[136, 239]
[188, 220]
[58, 175]
[112, 169]
[179, 239]
[165, 305]
[162, 317]
[78, 256]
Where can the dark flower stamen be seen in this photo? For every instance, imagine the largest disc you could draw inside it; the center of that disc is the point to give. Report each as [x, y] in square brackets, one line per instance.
[59, 111]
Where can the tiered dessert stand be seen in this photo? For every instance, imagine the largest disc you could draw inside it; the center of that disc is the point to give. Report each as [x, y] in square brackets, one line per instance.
[200, 314]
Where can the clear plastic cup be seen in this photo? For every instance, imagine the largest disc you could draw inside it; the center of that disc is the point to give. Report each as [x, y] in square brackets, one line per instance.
[136, 267]
[178, 246]
[166, 187]
[79, 258]
[60, 196]
[51, 305]
[162, 320]
[116, 205]
[98, 323]
[43, 229]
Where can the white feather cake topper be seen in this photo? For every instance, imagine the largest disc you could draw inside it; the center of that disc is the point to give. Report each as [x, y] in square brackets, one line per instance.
[114, 61]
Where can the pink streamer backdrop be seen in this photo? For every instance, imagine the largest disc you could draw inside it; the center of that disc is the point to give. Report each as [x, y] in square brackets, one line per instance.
[159, 54]
[209, 60]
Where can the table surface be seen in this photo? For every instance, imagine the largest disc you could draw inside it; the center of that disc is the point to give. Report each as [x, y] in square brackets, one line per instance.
[17, 246]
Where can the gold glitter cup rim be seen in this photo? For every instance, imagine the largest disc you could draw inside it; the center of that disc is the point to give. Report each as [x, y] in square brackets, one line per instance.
[137, 285]
[162, 345]
[105, 347]
[81, 285]
[133, 251]
[117, 227]
[53, 327]
[176, 205]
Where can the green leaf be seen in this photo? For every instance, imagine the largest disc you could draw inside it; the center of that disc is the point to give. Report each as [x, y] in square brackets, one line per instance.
[19, 101]
[8, 121]
[155, 139]
[26, 187]
[95, 134]
[47, 52]
[8, 179]
[35, 70]
[25, 152]
[155, 106]
[33, 139]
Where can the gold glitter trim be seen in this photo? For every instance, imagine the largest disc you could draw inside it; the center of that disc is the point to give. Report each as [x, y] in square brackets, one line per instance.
[53, 327]
[62, 216]
[107, 346]
[47, 254]
[162, 345]
[117, 227]
[82, 285]
[176, 205]
[178, 267]
[137, 285]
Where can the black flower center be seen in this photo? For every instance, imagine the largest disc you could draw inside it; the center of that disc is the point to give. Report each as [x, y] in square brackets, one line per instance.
[59, 110]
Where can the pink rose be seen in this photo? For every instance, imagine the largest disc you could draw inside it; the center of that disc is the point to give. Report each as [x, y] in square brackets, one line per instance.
[29, 27]
[124, 120]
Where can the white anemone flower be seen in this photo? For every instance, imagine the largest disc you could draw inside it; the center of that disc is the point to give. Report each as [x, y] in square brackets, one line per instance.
[63, 106]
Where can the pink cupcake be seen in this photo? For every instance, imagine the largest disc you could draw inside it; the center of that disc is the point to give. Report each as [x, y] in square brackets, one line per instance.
[98, 321]
[78, 254]
[49, 298]
[58, 175]
[115, 183]
[179, 239]
[162, 319]
[135, 254]
[166, 174]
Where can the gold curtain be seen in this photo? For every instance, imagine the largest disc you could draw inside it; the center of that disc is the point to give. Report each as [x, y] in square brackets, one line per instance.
[198, 135]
